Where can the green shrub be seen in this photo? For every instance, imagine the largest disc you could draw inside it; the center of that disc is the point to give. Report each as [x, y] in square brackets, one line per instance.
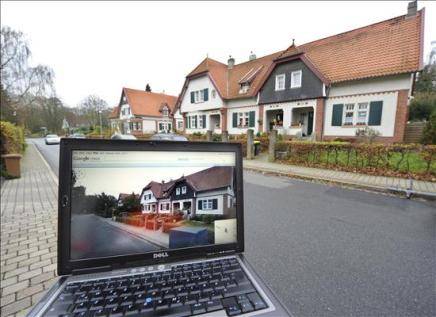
[429, 133]
[12, 138]
[403, 160]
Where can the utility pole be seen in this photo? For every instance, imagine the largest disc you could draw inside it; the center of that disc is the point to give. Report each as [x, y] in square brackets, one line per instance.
[101, 127]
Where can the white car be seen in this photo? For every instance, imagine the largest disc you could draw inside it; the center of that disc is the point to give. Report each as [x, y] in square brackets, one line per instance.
[52, 139]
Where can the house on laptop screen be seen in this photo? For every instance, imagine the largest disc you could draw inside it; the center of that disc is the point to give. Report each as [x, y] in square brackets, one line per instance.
[207, 192]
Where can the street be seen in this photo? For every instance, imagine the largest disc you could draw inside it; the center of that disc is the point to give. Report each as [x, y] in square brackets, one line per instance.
[331, 251]
[93, 237]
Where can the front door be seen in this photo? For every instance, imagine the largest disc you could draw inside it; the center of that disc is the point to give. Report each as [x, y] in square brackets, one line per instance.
[310, 123]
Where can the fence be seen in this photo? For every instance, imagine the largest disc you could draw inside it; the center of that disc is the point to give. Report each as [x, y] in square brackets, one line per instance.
[404, 160]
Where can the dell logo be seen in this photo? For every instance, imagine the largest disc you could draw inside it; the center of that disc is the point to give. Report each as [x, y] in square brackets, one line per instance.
[160, 255]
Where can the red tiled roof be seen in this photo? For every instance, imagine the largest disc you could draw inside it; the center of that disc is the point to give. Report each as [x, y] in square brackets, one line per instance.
[144, 103]
[389, 47]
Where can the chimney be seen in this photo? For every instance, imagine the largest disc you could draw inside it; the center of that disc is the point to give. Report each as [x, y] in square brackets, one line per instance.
[252, 56]
[230, 62]
[412, 7]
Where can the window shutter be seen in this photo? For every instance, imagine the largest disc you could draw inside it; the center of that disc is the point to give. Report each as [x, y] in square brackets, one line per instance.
[206, 94]
[192, 97]
[251, 117]
[215, 203]
[204, 121]
[235, 119]
[337, 115]
[200, 205]
[375, 112]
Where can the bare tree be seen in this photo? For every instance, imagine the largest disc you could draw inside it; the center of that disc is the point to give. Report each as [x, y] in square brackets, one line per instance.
[22, 82]
[91, 108]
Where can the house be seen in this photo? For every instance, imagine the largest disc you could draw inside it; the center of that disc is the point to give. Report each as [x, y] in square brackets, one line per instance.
[142, 112]
[325, 89]
[209, 191]
[123, 196]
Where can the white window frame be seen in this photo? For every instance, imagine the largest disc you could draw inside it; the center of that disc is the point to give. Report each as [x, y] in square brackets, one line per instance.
[177, 191]
[213, 93]
[200, 122]
[207, 204]
[244, 88]
[180, 125]
[165, 112]
[346, 111]
[243, 118]
[184, 189]
[193, 120]
[199, 96]
[278, 79]
[362, 107]
[296, 81]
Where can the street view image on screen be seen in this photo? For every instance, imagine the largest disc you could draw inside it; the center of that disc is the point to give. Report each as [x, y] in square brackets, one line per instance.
[130, 202]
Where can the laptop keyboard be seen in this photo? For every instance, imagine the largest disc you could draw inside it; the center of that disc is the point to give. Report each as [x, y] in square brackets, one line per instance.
[185, 290]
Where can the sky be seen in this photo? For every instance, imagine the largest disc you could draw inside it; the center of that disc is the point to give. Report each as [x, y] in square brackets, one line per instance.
[115, 172]
[100, 47]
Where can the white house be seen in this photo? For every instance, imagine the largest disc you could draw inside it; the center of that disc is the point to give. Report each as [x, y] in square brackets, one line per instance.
[325, 89]
[143, 112]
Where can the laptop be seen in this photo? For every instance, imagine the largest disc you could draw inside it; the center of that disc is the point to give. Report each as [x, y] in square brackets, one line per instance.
[153, 228]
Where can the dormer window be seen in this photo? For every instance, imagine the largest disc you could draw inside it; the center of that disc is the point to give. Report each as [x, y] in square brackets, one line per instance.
[243, 88]
[296, 79]
[280, 82]
[165, 112]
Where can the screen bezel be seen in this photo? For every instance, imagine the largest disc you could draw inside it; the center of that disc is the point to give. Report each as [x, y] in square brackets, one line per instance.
[68, 266]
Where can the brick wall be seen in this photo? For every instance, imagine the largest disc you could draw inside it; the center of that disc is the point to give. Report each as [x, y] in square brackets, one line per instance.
[223, 119]
[401, 116]
[319, 118]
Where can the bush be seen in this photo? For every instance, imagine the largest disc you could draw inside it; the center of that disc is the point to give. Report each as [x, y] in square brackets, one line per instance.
[406, 160]
[429, 133]
[422, 106]
[12, 138]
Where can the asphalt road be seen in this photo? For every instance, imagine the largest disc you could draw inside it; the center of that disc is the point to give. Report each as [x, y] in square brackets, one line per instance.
[93, 237]
[331, 251]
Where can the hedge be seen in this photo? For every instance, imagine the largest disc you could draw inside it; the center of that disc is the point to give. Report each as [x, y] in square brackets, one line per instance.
[402, 160]
[12, 138]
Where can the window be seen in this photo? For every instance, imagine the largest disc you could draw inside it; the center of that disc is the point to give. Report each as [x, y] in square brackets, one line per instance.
[280, 82]
[244, 88]
[164, 126]
[349, 114]
[184, 190]
[242, 119]
[180, 125]
[165, 112]
[177, 191]
[362, 113]
[200, 122]
[165, 206]
[199, 96]
[209, 204]
[193, 122]
[296, 79]
[213, 93]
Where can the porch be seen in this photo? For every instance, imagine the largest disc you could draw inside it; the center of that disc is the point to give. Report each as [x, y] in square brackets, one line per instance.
[301, 122]
[215, 123]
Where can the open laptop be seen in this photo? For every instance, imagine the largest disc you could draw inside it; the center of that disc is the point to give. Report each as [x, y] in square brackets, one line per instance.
[153, 228]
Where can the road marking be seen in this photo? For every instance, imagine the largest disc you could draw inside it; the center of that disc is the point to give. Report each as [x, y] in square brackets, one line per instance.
[52, 174]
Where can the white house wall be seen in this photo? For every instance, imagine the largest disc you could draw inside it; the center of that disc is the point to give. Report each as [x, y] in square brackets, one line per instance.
[123, 107]
[199, 84]
[220, 205]
[386, 129]
[384, 84]
[148, 125]
[230, 112]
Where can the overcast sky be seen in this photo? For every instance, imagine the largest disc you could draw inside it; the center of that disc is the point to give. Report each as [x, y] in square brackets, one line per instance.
[100, 47]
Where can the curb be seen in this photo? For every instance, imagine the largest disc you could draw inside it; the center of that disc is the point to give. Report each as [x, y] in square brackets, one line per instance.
[389, 190]
[52, 174]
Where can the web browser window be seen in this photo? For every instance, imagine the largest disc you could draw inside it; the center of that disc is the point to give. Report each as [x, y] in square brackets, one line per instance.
[132, 202]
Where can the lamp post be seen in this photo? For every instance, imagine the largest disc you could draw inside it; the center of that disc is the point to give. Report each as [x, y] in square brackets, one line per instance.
[101, 127]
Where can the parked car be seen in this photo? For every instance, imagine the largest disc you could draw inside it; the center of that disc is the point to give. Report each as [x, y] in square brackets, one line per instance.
[52, 139]
[78, 136]
[119, 136]
[168, 137]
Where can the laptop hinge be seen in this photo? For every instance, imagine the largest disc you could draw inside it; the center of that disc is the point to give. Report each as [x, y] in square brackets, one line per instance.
[92, 270]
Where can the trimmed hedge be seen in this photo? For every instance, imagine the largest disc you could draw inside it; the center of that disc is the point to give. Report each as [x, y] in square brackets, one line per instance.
[402, 160]
[12, 138]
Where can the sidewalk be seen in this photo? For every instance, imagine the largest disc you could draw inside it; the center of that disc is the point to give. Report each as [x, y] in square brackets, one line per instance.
[379, 183]
[28, 235]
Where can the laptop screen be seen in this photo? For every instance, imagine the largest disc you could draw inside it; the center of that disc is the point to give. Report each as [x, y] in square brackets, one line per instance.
[134, 202]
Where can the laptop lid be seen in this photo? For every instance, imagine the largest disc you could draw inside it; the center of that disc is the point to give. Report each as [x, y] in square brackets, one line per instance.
[125, 203]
